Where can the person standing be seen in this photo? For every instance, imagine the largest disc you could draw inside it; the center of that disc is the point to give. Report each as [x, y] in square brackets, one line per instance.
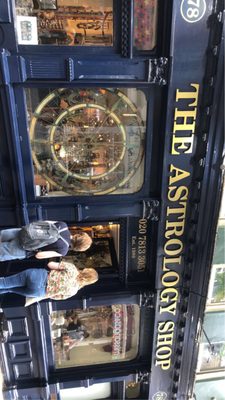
[61, 282]
[12, 249]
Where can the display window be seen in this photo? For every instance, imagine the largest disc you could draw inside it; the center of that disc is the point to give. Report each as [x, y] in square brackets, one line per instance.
[87, 141]
[65, 22]
[103, 254]
[212, 347]
[87, 23]
[96, 335]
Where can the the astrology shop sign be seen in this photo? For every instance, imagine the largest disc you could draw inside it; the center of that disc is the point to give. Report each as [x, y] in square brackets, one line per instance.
[175, 216]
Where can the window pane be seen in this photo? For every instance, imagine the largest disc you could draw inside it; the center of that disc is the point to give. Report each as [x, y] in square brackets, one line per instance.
[219, 285]
[219, 254]
[65, 22]
[216, 292]
[97, 335]
[104, 251]
[93, 392]
[210, 389]
[145, 24]
[212, 347]
[87, 141]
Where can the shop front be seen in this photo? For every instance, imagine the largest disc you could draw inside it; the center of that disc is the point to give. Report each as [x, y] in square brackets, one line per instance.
[109, 122]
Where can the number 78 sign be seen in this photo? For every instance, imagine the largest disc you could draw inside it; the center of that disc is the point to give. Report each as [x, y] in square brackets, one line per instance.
[192, 10]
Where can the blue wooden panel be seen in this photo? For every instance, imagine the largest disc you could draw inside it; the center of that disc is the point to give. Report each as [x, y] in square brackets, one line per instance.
[18, 327]
[70, 68]
[39, 68]
[23, 370]
[20, 351]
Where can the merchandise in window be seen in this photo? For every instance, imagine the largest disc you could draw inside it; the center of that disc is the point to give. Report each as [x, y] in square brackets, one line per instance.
[65, 22]
[145, 24]
[104, 251]
[87, 141]
[97, 335]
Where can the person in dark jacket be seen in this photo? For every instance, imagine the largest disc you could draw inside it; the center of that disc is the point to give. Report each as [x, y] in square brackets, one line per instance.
[10, 248]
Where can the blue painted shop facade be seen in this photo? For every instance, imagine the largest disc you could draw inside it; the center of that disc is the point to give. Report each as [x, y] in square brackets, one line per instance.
[112, 127]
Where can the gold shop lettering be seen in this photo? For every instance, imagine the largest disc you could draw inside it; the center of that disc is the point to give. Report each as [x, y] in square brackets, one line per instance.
[142, 234]
[177, 196]
[138, 245]
[185, 122]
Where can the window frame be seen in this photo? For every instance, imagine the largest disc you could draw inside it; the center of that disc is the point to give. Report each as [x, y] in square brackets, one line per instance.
[122, 17]
[79, 50]
[153, 98]
[146, 328]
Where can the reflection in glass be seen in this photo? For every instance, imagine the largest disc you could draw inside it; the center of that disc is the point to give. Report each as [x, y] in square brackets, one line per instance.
[97, 335]
[93, 392]
[212, 347]
[210, 382]
[133, 390]
[212, 357]
[210, 389]
[65, 22]
[145, 24]
[216, 293]
[87, 141]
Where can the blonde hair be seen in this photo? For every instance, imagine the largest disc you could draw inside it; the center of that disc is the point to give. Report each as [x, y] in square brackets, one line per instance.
[87, 276]
[81, 241]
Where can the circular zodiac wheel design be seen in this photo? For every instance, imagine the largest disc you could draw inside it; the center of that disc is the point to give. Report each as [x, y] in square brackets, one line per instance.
[87, 141]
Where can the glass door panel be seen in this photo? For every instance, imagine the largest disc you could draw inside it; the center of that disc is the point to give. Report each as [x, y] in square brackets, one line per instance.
[87, 141]
[65, 22]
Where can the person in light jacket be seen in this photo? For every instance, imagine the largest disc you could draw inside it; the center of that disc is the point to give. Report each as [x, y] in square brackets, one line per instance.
[61, 282]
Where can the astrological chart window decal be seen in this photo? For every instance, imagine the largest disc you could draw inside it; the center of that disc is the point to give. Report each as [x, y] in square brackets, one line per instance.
[87, 141]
